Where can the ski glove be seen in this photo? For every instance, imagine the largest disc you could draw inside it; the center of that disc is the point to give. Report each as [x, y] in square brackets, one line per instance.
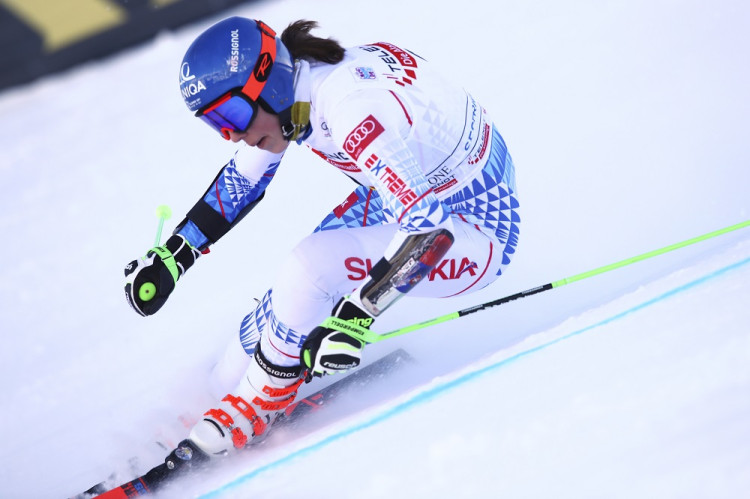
[328, 351]
[150, 279]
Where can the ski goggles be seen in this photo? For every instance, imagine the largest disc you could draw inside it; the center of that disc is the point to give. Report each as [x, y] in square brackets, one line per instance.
[236, 110]
[232, 112]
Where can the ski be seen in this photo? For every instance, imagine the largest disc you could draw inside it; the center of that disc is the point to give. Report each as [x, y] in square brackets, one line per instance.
[187, 458]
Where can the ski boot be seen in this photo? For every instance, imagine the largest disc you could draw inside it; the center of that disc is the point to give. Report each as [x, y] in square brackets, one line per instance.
[246, 414]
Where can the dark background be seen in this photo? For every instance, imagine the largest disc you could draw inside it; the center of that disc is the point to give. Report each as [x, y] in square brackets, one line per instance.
[40, 37]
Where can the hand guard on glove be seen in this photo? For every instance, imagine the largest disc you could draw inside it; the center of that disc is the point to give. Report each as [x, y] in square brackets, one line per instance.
[328, 351]
[150, 279]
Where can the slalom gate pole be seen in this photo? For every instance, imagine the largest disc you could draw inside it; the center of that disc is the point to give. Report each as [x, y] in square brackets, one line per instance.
[368, 336]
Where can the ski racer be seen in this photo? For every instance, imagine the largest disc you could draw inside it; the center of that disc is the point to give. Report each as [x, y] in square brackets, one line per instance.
[434, 212]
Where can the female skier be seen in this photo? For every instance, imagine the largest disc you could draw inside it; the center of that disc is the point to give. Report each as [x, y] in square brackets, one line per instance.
[434, 213]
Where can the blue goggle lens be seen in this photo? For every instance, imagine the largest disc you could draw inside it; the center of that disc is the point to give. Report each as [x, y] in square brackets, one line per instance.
[230, 113]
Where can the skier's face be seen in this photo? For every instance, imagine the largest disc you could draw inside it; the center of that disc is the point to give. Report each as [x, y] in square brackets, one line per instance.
[264, 133]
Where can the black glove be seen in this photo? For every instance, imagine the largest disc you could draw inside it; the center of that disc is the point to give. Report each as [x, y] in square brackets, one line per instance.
[150, 279]
[328, 351]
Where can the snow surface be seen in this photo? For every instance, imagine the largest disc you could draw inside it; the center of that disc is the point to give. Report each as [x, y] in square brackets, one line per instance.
[628, 123]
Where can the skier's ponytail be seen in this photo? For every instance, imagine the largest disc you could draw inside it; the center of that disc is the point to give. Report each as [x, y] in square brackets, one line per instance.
[303, 45]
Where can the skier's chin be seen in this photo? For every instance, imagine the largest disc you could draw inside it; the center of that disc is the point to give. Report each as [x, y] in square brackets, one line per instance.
[271, 145]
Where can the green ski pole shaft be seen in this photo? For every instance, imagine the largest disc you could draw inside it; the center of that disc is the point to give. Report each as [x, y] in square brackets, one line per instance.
[164, 212]
[373, 337]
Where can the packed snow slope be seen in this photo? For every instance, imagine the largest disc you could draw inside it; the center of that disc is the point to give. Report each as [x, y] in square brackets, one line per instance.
[627, 121]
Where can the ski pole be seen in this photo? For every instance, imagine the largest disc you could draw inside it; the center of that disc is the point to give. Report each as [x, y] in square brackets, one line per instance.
[164, 212]
[368, 336]
[147, 291]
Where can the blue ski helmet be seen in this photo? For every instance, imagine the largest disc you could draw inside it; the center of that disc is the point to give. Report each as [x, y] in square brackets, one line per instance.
[227, 56]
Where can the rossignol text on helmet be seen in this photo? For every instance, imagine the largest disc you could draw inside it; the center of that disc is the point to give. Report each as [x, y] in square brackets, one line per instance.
[231, 68]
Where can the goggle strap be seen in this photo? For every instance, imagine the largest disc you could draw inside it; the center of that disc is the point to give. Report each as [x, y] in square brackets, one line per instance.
[263, 65]
[218, 102]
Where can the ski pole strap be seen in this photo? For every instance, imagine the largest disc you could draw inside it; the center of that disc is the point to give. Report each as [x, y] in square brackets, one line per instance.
[369, 336]
[167, 259]
[354, 330]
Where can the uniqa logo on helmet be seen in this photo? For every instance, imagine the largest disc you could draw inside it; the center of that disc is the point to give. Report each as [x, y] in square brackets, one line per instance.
[189, 87]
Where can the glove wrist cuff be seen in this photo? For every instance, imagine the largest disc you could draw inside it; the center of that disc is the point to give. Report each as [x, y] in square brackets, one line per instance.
[348, 327]
[350, 310]
[177, 255]
[168, 260]
[350, 318]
